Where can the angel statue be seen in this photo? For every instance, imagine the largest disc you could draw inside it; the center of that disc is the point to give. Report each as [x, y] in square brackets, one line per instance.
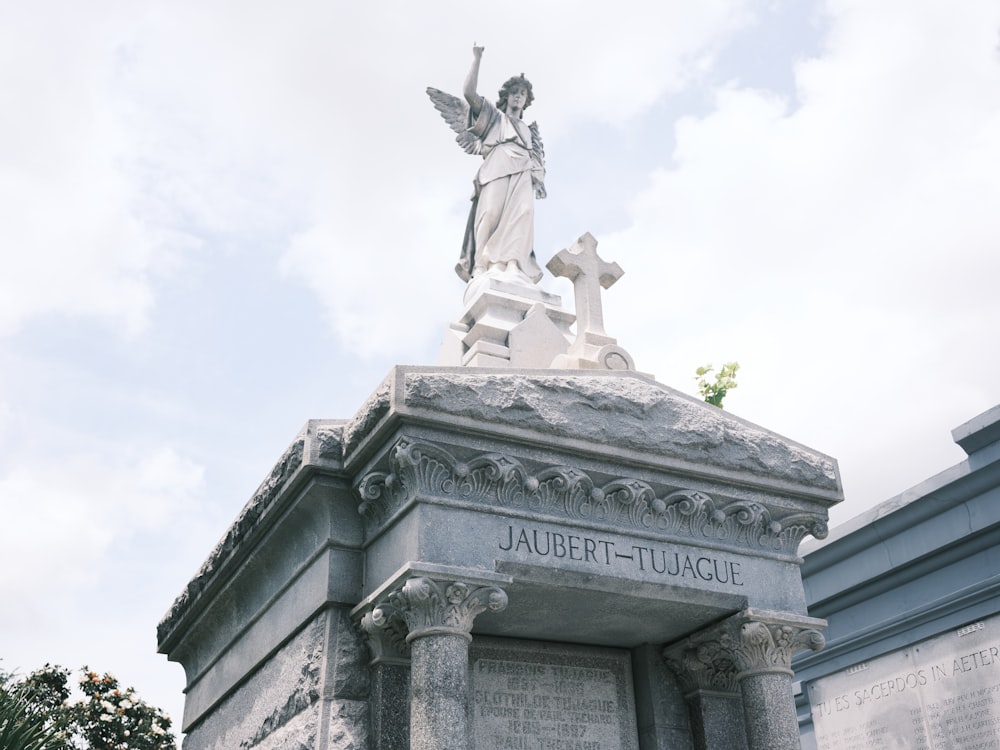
[499, 237]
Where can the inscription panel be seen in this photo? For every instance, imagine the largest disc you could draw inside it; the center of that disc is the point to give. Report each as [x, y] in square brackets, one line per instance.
[941, 694]
[602, 551]
[489, 541]
[529, 695]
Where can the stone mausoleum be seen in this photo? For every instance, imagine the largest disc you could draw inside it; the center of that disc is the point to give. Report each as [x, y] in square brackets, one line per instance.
[531, 546]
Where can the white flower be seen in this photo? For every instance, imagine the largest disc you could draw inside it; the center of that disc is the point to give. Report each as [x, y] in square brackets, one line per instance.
[107, 717]
[126, 704]
[108, 706]
[157, 729]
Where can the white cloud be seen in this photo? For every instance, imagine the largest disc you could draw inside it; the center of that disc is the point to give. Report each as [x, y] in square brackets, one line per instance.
[305, 129]
[148, 135]
[387, 221]
[63, 512]
[842, 247]
[856, 225]
[70, 241]
[841, 243]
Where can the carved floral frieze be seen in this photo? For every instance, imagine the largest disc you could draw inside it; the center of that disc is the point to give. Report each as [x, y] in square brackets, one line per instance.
[422, 469]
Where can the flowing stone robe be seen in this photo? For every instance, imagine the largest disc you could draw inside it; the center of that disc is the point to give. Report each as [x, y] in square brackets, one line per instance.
[502, 219]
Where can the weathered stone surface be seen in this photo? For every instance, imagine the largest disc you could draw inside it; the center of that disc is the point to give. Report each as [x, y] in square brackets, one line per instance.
[328, 440]
[609, 412]
[300, 732]
[247, 520]
[266, 592]
[348, 726]
[627, 412]
[375, 408]
[348, 677]
[321, 671]
[277, 706]
[319, 442]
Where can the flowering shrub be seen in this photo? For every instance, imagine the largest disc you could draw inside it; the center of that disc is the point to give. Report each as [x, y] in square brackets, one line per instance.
[107, 718]
[114, 719]
[725, 381]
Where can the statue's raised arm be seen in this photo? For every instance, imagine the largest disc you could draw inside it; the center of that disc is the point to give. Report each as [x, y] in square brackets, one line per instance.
[472, 82]
[499, 237]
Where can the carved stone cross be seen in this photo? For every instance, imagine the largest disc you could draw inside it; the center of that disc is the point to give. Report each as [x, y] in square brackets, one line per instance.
[582, 265]
[593, 348]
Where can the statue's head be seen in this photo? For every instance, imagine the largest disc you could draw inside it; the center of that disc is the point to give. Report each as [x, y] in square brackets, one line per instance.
[511, 84]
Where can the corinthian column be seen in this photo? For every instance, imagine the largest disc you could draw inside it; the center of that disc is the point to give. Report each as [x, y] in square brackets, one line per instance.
[390, 683]
[763, 644]
[439, 616]
[748, 655]
[707, 677]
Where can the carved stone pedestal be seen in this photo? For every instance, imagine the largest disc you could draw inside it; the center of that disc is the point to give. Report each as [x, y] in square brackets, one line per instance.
[511, 322]
[507, 324]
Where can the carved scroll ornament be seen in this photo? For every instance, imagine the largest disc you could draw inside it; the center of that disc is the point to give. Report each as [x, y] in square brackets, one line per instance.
[422, 469]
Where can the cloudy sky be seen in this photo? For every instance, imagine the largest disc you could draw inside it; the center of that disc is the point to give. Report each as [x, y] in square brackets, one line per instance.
[221, 219]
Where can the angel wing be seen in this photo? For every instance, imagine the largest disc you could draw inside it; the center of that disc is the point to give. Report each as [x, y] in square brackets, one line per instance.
[455, 112]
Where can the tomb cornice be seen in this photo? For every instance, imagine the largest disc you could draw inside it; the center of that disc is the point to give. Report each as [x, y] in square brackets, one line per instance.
[426, 471]
[621, 416]
[316, 449]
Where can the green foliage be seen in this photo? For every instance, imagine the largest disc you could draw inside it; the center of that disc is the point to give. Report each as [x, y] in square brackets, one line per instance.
[107, 718]
[114, 719]
[31, 715]
[725, 381]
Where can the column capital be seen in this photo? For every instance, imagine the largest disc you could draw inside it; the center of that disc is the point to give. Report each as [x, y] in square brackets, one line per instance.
[432, 607]
[702, 666]
[386, 640]
[750, 642]
[763, 645]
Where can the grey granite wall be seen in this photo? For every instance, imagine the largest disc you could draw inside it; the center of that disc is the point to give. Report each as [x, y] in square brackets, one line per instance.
[661, 713]
[298, 698]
